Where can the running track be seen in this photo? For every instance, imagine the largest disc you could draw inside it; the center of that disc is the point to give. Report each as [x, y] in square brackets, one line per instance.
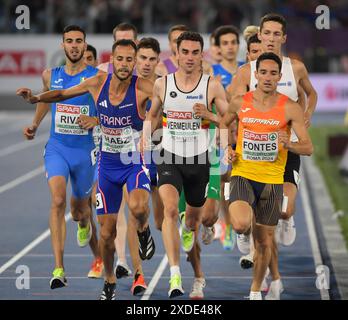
[24, 207]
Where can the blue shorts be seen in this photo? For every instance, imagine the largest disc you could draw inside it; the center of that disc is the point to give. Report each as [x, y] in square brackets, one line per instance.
[150, 158]
[74, 162]
[111, 179]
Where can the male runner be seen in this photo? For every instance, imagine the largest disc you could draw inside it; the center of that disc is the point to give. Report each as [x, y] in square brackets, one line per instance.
[260, 157]
[294, 80]
[90, 56]
[69, 152]
[121, 101]
[185, 144]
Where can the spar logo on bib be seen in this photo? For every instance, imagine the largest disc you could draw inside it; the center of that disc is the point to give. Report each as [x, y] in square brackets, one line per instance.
[258, 146]
[84, 110]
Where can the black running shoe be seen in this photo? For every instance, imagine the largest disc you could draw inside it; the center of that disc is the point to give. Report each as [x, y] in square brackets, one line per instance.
[109, 291]
[122, 271]
[146, 244]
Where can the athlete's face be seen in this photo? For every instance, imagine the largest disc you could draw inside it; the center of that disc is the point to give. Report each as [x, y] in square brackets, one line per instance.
[89, 59]
[215, 51]
[74, 45]
[272, 37]
[229, 46]
[125, 35]
[190, 55]
[147, 60]
[173, 40]
[254, 51]
[123, 61]
[268, 76]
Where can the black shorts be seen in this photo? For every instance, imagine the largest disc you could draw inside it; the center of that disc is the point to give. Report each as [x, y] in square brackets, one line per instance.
[188, 173]
[265, 199]
[292, 169]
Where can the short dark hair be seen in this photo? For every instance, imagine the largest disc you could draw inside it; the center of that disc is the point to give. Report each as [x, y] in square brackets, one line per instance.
[274, 17]
[191, 36]
[269, 56]
[124, 26]
[73, 27]
[253, 39]
[177, 27]
[93, 50]
[124, 43]
[149, 43]
[225, 30]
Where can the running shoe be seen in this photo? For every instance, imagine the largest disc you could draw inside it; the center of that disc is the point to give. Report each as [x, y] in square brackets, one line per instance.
[243, 243]
[97, 267]
[208, 235]
[109, 291]
[255, 295]
[176, 289]
[288, 232]
[275, 289]
[122, 270]
[146, 244]
[139, 285]
[197, 289]
[218, 230]
[229, 239]
[84, 235]
[246, 262]
[58, 280]
[187, 237]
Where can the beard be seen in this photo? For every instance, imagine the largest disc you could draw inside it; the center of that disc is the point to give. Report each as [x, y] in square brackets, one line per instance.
[74, 60]
[122, 78]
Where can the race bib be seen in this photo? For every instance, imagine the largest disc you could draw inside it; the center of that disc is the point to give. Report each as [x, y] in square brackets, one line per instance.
[260, 146]
[94, 154]
[117, 140]
[97, 135]
[99, 201]
[66, 119]
[183, 125]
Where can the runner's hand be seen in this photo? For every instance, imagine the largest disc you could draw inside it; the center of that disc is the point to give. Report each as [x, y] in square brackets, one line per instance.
[230, 155]
[307, 119]
[27, 95]
[201, 110]
[87, 122]
[29, 132]
[283, 138]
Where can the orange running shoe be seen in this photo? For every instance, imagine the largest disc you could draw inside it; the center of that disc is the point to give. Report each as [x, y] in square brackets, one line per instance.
[139, 285]
[97, 267]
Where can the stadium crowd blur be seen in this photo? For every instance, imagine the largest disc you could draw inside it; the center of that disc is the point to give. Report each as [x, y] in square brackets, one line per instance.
[321, 50]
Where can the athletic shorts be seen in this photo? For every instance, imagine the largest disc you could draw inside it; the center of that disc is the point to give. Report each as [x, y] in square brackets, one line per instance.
[74, 162]
[112, 177]
[186, 174]
[265, 199]
[292, 169]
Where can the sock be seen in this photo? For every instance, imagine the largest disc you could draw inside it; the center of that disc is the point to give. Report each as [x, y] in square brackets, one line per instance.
[175, 270]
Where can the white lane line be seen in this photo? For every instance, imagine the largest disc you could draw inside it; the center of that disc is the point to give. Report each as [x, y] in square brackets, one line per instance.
[311, 231]
[14, 183]
[153, 283]
[22, 145]
[29, 247]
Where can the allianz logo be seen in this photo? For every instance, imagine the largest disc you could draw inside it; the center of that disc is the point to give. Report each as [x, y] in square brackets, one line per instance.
[56, 87]
[194, 97]
[284, 84]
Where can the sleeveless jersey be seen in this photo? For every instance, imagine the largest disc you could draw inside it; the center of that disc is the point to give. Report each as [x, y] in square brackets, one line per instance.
[226, 76]
[65, 113]
[259, 156]
[120, 125]
[287, 84]
[184, 134]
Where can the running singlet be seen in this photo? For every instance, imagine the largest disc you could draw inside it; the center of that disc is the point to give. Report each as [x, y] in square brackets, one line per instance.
[65, 128]
[287, 84]
[259, 155]
[171, 67]
[184, 134]
[117, 123]
[226, 76]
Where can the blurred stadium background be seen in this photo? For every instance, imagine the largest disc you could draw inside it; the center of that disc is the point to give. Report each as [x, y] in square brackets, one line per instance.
[24, 54]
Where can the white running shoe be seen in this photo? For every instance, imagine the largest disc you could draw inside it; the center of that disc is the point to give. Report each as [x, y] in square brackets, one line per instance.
[255, 295]
[243, 243]
[197, 289]
[208, 235]
[218, 230]
[247, 261]
[275, 289]
[288, 232]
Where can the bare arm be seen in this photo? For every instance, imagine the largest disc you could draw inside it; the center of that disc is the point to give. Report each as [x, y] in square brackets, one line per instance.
[240, 82]
[294, 113]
